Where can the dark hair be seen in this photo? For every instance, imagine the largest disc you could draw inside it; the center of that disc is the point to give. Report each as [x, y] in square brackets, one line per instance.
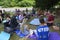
[24, 14]
[42, 20]
[8, 16]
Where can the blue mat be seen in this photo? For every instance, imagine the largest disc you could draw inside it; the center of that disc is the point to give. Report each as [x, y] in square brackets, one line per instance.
[4, 36]
[35, 21]
[19, 33]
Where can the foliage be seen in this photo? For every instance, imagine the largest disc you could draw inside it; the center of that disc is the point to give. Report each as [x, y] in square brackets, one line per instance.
[16, 3]
[43, 4]
[46, 4]
[26, 3]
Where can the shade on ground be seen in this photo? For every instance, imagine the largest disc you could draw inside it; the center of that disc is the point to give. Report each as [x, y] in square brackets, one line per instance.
[4, 36]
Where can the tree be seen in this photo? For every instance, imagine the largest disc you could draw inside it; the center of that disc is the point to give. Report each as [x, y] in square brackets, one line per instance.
[46, 4]
[26, 3]
[17, 3]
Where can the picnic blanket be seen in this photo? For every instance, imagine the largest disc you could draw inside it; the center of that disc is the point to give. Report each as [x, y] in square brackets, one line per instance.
[54, 36]
[19, 33]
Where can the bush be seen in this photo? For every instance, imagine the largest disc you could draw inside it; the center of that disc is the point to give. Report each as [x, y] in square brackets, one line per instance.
[17, 3]
[25, 3]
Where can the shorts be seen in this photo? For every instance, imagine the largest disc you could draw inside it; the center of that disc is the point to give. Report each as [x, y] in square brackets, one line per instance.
[42, 38]
[49, 24]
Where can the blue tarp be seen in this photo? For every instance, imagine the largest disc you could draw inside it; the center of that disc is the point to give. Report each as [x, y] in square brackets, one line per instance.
[4, 36]
[19, 33]
[35, 21]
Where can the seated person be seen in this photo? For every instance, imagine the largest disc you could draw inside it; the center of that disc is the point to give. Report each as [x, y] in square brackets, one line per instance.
[7, 27]
[0, 19]
[13, 23]
[7, 23]
[42, 30]
[50, 20]
[56, 28]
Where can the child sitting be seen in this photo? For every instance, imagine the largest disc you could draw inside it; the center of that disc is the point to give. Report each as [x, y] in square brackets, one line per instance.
[42, 30]
[7, 27]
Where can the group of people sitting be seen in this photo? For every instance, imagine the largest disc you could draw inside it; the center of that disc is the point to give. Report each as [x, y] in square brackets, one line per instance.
[19, 19]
